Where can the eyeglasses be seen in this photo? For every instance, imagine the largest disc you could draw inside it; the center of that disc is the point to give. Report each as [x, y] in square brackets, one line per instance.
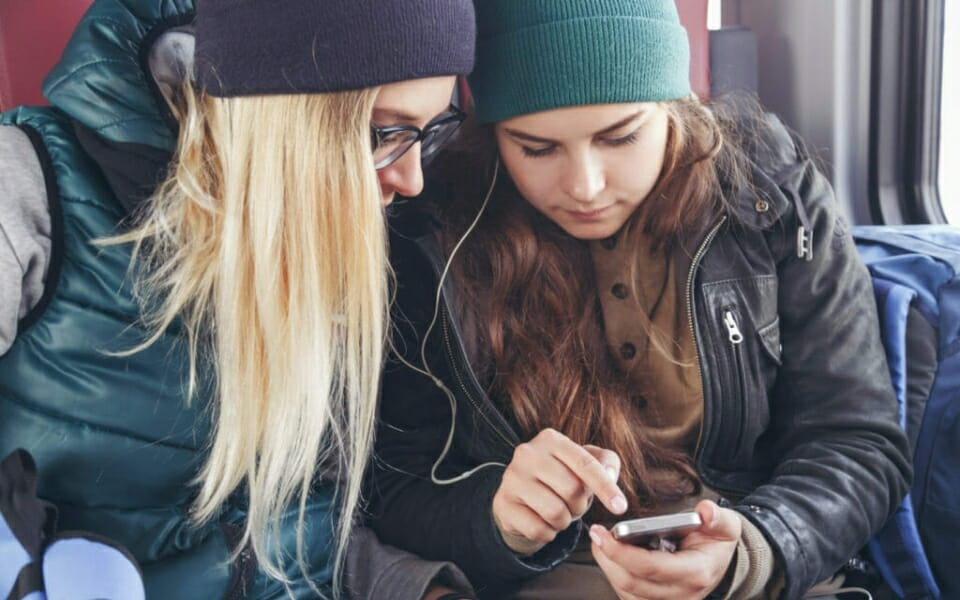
[390, 143]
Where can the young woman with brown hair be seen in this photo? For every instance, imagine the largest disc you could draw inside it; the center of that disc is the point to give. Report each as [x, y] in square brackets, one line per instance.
[633, 297]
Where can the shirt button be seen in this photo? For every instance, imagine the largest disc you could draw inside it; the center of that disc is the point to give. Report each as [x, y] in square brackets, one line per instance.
[628, 351]
[609, 243]
[620, 291]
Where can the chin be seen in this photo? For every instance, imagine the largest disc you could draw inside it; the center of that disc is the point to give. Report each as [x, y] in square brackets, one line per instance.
[590, 231]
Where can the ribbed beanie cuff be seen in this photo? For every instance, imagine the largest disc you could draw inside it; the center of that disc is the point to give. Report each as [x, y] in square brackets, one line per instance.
[538, 55]
[247, 47]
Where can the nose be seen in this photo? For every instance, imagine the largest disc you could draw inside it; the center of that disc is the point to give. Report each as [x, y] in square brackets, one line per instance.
[585, 178]
[404, 177]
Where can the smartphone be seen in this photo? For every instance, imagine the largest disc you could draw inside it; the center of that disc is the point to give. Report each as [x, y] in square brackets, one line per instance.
[657, 533]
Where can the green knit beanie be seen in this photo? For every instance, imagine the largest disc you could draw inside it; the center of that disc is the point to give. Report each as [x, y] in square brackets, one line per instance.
[536, 55]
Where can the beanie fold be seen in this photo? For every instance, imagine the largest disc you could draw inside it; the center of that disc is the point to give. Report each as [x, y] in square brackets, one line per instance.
[597, 60]
[251, 47]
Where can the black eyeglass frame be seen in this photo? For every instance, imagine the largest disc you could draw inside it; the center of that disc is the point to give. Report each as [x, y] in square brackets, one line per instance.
[378, 134]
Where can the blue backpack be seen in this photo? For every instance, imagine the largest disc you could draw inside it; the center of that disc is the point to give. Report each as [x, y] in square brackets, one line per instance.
[916, 276]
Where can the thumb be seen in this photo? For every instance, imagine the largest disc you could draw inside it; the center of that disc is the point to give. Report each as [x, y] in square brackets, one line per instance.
[720, 523]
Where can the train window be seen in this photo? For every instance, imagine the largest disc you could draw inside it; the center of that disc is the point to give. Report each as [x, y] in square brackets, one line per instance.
[713, 14]
[949, 180]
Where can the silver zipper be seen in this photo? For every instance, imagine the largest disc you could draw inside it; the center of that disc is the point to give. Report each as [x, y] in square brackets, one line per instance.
[697, 257]
[733, 331]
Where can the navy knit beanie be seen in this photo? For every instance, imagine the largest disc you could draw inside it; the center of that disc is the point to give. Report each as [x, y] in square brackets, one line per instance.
[248, 47]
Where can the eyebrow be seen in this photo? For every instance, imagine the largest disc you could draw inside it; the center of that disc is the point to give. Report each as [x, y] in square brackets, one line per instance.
[395, 116]
[540, 140]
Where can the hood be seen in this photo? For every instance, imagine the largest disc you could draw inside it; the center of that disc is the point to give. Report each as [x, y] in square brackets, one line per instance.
[103, 80]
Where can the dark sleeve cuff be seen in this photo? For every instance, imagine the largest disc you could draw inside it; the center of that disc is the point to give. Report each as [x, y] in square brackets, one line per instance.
[409, 579]
[376, 571]
[503, 564]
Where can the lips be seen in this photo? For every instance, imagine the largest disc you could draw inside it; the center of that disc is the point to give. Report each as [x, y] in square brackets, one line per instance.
[588, 215]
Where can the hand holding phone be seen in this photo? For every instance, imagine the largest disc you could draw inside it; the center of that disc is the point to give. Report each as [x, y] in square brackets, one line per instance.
[657, 533]
[701, 561]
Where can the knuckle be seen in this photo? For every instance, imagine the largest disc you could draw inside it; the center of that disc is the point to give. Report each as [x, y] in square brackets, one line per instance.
[572, 490]
[556, 516]
[510, 479]
[699, 581]
[586, 462]
[509, 527]
[611, 458]
[523, 453]
[581, 506]
[550, 434]
[650, 572]
[541, 534]
[630, 586]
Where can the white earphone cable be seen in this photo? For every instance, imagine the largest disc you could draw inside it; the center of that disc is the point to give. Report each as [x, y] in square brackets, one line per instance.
[423, 350]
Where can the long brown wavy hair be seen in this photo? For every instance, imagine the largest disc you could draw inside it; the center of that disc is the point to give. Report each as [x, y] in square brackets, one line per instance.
[540, 343]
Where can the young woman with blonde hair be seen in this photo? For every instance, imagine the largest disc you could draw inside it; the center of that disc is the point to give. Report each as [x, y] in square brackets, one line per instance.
[621, 294]
[196, 304]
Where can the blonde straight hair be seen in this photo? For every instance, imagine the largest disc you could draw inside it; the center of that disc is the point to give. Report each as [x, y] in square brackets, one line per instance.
[267, 245]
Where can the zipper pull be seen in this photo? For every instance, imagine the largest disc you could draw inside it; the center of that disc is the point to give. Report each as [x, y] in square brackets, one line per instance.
[804, 243]
[733, 330]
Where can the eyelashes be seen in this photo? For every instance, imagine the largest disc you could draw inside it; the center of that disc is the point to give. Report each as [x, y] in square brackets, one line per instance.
[541, 152]
[537, 152]
[623, 141]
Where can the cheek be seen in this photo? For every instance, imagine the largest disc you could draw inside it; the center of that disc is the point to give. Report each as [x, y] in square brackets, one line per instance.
[639, 171]
[532, 178]
[384, 178]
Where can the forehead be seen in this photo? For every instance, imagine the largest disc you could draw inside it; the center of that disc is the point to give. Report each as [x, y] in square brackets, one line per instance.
[578, 121]
[415, 101]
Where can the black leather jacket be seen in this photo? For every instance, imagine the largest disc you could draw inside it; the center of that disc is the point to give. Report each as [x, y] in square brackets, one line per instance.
[799, 421]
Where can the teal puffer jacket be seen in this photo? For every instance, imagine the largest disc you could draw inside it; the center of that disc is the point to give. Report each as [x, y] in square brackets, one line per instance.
[116, 443]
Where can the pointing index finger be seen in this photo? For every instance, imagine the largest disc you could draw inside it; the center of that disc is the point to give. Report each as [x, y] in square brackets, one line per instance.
[594, 475]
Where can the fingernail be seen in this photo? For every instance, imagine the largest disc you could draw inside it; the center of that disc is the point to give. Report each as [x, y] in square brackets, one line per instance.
[619, 504]
[595, 537]
[611, 473]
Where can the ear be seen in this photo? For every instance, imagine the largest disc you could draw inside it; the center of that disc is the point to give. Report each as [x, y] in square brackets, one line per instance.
[170, 61]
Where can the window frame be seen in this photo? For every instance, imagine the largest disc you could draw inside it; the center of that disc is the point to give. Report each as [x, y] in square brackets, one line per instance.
[907, 58]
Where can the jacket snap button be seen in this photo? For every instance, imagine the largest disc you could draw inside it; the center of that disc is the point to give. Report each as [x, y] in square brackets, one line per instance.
[628, 351]
[762, 206]
[609, 243]
[620, 291]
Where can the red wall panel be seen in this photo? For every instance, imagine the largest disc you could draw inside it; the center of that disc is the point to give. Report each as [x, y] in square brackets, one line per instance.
[693, 14]
[32, 36]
